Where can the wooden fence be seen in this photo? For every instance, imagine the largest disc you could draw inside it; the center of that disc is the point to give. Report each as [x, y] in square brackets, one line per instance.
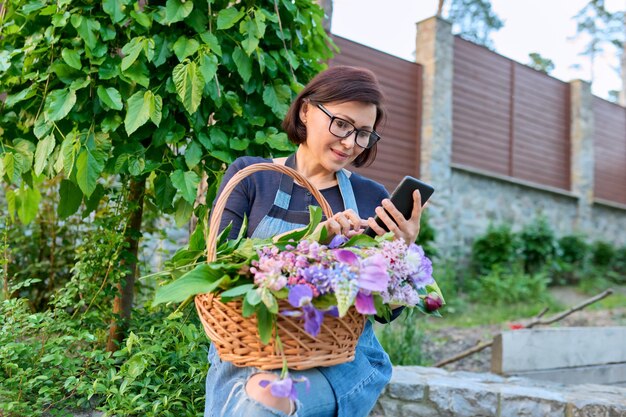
[610, 151]
[508, 118]
[398, 150]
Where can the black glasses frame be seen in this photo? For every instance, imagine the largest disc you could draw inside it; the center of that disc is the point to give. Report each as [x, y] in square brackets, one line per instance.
[373, 135]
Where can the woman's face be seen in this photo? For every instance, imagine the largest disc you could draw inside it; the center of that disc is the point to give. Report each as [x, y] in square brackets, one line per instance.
[324, 148]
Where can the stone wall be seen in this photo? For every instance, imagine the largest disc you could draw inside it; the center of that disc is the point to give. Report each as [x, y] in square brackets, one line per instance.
[432, 392]
[479, 199]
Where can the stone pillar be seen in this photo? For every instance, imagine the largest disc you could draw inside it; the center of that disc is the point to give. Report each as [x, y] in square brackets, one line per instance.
[582, 154]
[434, 50]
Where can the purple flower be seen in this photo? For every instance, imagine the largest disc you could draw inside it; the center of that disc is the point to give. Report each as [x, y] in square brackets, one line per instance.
[421, 266]
[300, 296]
[374, 275]
[364, 303]
[284, 387]
[337, 241]
[319, 277]
[347, 257]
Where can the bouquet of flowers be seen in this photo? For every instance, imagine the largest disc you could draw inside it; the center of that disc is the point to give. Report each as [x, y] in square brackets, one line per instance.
[297, 276]
[310, 297]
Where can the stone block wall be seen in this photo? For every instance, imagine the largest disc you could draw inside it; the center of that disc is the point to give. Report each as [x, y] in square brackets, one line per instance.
[482, 199]
[432, 392]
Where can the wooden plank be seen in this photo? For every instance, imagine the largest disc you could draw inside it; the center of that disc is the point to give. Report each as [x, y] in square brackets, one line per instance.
[614, 374]
[544, 349]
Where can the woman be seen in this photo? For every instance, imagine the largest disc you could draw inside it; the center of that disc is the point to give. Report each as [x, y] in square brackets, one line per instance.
[333, 120]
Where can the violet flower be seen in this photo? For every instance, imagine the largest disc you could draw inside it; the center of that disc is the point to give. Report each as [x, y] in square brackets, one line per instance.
[284, 387]
[374, 275]
[337, 241]
[364, 303]
[301, 296]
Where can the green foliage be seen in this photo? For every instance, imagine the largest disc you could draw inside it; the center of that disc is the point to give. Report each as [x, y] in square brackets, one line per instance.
[474, 20]
[540, 63]
[497, 247]
[160, 370]
[402, 340]
[162, 90]
[537, 244]
[571, 260]
[427, 236]
[38, 257]
[47, 361]
[503, 286]
[602, 254]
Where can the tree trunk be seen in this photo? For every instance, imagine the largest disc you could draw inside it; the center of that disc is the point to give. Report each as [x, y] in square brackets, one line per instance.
[123, 302]
[440, 8]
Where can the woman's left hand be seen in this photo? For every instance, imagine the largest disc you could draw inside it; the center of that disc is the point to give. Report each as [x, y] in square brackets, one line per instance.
[402, 228]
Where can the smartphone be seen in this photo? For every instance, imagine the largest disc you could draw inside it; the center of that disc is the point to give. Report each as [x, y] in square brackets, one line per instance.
[402, 198]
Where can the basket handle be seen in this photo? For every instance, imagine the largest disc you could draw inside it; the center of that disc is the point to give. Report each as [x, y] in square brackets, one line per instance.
[220, 203]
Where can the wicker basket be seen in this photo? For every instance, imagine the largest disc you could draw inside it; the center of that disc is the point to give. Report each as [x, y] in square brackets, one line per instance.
[236, 338]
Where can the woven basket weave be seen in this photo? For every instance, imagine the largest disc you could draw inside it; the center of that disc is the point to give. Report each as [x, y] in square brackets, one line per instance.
[236, 338]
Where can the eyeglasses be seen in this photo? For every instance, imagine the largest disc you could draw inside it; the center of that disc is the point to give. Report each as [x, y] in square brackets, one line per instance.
[343, 128]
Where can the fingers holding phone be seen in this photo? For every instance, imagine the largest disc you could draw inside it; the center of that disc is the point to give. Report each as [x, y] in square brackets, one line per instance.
[396, 222]
[401, 214]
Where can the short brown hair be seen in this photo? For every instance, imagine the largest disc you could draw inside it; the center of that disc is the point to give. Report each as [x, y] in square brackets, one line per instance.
[338, 84]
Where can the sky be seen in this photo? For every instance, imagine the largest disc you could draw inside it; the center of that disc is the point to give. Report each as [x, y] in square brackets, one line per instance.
[543, 26]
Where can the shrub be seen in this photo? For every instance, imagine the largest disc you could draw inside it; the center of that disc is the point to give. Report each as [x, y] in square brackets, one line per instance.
[602, 254]
[427, 236]
[537, 244]
[160, 370]
[571, 261]
[572, 249]
[402, 340]
[47, 361]
[501, 286]
[496, 248]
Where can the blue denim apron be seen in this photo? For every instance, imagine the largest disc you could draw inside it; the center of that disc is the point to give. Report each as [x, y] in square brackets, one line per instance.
[356, 385]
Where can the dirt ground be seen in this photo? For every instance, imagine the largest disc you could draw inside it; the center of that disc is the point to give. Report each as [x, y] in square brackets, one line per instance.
[447, 342]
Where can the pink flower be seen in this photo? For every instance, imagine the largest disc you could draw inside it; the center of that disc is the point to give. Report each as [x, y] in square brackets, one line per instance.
[373, 274]
[364, 303]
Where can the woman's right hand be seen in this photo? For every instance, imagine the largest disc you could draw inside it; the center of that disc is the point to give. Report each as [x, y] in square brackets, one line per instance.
[346, 223]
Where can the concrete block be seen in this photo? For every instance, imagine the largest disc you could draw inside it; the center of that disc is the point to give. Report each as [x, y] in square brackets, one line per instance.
[567, 347]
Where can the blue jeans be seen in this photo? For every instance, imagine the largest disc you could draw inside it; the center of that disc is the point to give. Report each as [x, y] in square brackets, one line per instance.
[226, 393]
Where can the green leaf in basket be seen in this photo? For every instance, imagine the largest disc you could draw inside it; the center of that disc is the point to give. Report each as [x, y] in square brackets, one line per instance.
[185, 257]
[253, 297]
[222, 238]
[269, 300]
[362, 241]
[246, 249]
[325, 301]
[248, 309]
[265, 323]
[382, 310]
[315, 216]
[236, 292]
[200, 280]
